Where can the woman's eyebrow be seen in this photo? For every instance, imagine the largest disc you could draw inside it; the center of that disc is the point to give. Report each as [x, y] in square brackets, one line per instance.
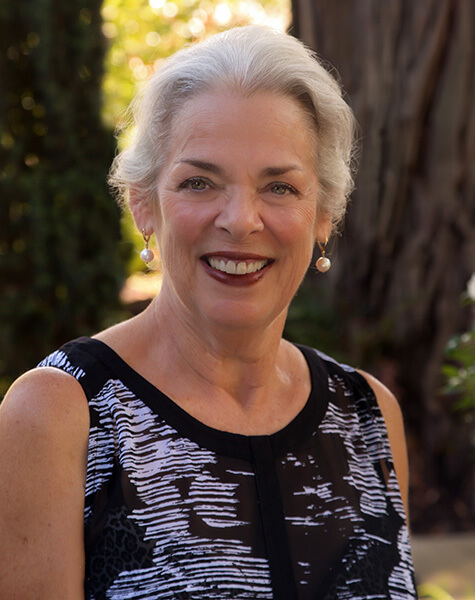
[212, 168]
[204, 165]
[275, 171]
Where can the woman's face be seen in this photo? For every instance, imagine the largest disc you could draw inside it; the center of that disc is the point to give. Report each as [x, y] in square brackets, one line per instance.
[237, 213]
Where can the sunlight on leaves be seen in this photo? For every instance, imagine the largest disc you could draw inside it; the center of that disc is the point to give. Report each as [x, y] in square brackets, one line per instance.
[431, 591]
[142, 33]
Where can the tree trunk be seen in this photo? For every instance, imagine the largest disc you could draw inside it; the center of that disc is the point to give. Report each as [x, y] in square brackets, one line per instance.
[409, 245]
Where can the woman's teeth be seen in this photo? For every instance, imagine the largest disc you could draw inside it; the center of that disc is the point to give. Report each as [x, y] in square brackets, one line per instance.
[236, 268]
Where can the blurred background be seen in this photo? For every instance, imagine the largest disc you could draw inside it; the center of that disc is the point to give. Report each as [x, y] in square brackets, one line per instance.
[400, 298]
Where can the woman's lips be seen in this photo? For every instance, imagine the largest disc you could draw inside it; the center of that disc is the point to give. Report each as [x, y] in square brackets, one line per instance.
[232, 267]
[236, 269]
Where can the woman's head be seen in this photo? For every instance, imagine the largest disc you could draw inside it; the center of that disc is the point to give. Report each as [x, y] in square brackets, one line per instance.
[241, 61]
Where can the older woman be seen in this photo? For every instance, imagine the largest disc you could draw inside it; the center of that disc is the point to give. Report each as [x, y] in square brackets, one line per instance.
[191, 452]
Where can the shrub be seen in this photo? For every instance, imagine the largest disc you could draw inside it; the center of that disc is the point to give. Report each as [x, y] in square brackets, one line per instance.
[59, 228]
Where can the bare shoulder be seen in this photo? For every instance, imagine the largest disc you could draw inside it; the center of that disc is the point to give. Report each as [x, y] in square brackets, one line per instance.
[387, 402]
[44, 398]
[390, 410]
[393, 419]
[44, 426]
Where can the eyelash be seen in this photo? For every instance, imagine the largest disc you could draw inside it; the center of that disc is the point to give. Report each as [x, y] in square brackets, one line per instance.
[288, 188]
[188, 182]
[191, 180]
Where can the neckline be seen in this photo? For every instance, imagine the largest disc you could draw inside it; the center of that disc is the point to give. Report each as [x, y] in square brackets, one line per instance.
[293, 435]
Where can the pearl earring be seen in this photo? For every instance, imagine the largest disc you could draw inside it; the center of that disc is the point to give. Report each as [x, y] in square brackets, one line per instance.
[146, 255]
[323, 263]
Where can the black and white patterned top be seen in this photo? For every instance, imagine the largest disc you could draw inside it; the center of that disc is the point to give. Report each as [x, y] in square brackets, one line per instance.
[175, 509]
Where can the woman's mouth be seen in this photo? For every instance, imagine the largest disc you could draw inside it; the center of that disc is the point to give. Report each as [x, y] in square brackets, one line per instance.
[236, 270]
[234, 267]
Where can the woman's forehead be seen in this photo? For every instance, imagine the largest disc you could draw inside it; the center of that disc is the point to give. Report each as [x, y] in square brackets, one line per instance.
[224, 122]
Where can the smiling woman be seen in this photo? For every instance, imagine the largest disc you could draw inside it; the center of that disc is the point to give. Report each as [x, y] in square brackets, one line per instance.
[255, 203]
[192, 452]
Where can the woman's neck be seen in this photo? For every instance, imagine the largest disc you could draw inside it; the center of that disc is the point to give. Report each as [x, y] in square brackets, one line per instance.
[240, 363]
[247, 381]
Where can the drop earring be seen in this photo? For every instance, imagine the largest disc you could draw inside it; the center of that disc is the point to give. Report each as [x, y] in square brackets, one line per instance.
[323, 263]
[146, 255]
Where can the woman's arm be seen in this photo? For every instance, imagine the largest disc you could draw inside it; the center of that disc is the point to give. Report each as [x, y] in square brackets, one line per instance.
[44, 428]
[394, 424]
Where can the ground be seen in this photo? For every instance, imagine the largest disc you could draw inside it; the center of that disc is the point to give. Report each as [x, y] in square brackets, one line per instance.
[445, 566]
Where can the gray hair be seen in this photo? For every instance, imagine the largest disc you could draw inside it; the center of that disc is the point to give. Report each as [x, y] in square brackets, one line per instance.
[246, 59]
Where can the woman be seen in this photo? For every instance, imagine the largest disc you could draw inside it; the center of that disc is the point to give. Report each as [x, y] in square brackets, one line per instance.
[191, 452]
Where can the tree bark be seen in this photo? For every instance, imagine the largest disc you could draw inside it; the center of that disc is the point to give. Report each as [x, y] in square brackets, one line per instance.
[408, 249]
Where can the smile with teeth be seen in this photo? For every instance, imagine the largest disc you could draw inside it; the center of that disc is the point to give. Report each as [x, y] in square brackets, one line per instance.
[236, 267]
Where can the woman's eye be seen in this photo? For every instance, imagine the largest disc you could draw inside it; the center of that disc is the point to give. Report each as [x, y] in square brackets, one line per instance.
[196, 184]
[281, 189]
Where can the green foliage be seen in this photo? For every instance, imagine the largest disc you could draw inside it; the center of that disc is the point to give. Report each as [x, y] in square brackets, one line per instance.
[459, 370]
[144, 32]
[59, 228]
[459, 366]
[431, 591]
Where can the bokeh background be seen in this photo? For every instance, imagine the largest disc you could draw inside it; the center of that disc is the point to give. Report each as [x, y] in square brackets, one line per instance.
[399, 300]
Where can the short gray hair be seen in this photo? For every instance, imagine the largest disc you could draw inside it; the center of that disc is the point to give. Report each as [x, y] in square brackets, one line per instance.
[246, 59]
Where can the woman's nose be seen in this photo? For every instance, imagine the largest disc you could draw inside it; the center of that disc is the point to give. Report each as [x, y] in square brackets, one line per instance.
[239, 214]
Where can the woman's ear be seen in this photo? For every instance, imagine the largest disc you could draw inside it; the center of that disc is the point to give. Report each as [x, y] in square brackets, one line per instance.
[323, 229]
[141, 211]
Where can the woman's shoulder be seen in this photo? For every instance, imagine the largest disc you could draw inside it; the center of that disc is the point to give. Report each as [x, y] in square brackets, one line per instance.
[361, 383]
[52, 398]
[90, 361]
[338, 373]
[394, 422]
[44, 428]
[386, 400]
[45, 401]
[377, 402]
[73, 357]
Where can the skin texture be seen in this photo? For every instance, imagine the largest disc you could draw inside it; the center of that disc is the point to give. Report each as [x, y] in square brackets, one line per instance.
[241, 207]
[238, 184]
[44, 426]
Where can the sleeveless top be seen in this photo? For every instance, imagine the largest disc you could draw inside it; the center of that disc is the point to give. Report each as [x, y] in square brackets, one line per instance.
[175, 509]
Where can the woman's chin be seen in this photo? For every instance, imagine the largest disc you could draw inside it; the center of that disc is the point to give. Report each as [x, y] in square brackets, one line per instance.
[240, 316]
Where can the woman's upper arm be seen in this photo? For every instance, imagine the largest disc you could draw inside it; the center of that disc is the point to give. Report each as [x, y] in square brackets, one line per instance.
[391, 412]
[44, 425]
